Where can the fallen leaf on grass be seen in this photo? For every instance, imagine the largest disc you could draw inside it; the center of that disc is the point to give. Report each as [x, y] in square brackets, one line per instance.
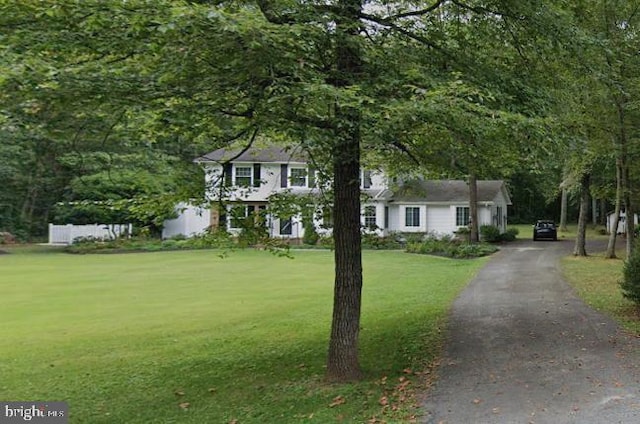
[212, 390]
[184, 405]
[476, 401]
[234, 421]
[338, 400]
[384, 401]
[178, 393]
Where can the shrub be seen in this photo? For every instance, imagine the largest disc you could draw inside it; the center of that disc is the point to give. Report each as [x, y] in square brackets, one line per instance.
[374, 241]
[7, 238]
[462, 233]
[630, 283]
[311, 235]
[489, 233]
[327, 241]
[451, 248]
[510, 234]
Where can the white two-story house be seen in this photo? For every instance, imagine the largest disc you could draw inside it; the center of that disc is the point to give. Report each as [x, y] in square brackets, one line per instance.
[245, 181]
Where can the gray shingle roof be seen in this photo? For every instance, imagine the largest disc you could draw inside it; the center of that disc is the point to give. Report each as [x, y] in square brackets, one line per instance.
[266, 154]
[448, 191]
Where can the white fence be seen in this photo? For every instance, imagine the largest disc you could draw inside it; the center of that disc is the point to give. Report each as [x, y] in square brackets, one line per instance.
[66, 234]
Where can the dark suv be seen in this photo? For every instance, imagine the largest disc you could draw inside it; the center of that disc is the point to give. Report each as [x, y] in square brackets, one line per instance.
[545, 230]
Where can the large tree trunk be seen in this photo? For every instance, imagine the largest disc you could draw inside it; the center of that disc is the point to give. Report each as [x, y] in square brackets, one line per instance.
[342, 361]
[602, 218]
[611, 246]
[474, 235]
[629, 211]
[563, 209]
[581, 237]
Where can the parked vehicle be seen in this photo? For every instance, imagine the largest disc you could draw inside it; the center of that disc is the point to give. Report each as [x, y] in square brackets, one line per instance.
[544, 229]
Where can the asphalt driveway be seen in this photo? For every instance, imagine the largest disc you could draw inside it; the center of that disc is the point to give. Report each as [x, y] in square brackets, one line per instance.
[524, 349]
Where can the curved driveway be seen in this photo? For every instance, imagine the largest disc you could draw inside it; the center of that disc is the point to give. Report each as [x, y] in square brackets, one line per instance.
[523, 349]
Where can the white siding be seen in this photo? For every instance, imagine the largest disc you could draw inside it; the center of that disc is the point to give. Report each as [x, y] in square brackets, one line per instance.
[191, 220]
[485, 216]
[394, 218]
[441, 219]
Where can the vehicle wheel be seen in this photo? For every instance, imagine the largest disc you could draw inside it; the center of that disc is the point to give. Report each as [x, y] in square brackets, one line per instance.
[555, 238]
[535, 238]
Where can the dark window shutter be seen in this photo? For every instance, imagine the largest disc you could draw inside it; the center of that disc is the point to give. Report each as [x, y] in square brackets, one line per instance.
[256, 175]
[283, 175]
[312, 176]
[226, 168]
[386, 217]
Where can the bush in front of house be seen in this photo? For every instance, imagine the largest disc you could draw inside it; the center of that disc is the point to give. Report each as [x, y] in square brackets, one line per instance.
[489, 233]
[630, 283]
[207, 240]
[450, 247]
[510, 235]
[376, 242]
[310, 236]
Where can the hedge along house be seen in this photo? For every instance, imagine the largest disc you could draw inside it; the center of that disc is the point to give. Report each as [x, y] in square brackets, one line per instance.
[239, 184]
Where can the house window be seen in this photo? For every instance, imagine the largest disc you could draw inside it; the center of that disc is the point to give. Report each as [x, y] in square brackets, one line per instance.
[298, 177]
[285, 226]
[365, 179]
[462, 216]
[370, 217]
[243, 176]
[412, 217]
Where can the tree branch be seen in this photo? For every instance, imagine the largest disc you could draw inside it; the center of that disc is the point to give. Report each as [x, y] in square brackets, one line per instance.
[389, 23]
[420, 12]
[483, 10]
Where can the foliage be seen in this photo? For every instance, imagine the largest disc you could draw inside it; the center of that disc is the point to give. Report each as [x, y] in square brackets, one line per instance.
[452, 248]
[311, 236]
[490, 233]
[630, 283]
[376, 242]
[208, 240]
[510, 235]
[142, 211]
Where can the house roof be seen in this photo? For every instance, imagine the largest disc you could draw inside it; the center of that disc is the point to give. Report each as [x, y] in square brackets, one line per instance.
[447, 191]
[276, 154]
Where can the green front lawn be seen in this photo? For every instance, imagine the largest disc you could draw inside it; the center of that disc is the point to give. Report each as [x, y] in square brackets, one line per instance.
[188, 337]
[597, 282]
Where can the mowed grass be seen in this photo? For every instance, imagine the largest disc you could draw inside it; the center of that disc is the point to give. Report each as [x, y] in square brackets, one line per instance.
[188, 337]
[525, 231]
[597, 282]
